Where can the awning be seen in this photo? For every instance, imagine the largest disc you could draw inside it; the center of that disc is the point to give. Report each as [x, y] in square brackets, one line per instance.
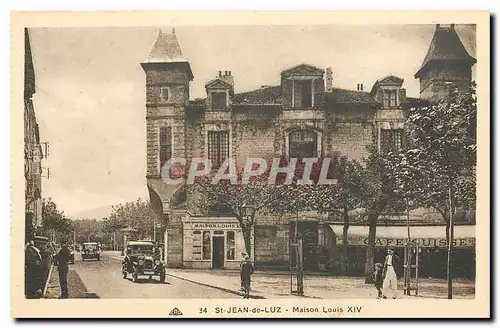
[424, 236]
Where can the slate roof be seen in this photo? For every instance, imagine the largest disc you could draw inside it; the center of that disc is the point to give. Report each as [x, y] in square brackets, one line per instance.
[270, 95]
[445, 46]
[343, 96]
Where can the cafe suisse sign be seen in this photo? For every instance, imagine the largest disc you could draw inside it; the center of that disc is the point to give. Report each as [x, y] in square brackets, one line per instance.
[401, 242]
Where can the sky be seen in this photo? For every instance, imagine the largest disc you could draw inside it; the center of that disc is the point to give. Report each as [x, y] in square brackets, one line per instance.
[90, 96]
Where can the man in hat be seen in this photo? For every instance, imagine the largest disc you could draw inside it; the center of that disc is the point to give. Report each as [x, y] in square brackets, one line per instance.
[33, 271]
[63, 258]
[390, 277]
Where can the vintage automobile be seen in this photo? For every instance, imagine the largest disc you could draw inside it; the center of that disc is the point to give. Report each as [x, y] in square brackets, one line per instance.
[91, 250]
[142, 258]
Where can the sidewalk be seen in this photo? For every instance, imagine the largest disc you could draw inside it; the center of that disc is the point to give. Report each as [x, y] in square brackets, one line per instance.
[277, 285]
[76, 288]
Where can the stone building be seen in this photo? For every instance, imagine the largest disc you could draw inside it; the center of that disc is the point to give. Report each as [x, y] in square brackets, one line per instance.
[32, 148]
[304, 115]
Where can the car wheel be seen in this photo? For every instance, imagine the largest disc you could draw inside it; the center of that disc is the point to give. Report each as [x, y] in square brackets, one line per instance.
[162, 276]
[135, 275]
[124, 272]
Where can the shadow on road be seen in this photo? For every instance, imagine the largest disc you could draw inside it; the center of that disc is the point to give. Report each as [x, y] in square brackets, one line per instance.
[148, 281]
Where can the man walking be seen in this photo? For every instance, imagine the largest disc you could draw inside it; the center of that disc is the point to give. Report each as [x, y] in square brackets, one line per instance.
[390, 277]
[63, 257]
[243, 255]
[247, 269]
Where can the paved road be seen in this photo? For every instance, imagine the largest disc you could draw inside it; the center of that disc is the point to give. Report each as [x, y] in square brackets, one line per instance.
[104, 278]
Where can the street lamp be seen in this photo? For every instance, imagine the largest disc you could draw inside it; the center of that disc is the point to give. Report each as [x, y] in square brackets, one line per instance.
[247, 210]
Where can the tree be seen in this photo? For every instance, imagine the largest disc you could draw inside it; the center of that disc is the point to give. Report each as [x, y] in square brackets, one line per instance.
[137, 214]
[440, 161]
[341, 198]
[54, 221]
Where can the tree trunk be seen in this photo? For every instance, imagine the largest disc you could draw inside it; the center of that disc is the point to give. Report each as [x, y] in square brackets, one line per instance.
[247, 238]
[345, 230]
[449, 277]
[370, 250]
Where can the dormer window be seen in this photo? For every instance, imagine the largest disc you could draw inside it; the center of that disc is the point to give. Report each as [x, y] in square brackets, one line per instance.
[219, 100]
[164, 94]
[303, 94]
[390, 98]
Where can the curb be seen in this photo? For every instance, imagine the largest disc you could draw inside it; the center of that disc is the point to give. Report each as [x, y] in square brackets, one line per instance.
[48, 280]
[217, 287]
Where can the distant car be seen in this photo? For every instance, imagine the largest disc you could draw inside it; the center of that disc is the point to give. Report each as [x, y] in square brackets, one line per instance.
[71, 255]
[91, 250]
[142, 258]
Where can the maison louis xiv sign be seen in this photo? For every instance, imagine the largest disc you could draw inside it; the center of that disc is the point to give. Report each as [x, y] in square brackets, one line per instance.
[211, 225]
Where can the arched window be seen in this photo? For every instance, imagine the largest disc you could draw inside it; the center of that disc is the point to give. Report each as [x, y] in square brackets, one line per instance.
[303, 143]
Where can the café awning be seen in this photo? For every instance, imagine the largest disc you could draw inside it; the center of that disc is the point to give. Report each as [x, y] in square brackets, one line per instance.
[396, 236]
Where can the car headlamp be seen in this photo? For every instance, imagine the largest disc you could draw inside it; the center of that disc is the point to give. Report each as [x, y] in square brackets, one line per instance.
[157, 262]
[141, 262]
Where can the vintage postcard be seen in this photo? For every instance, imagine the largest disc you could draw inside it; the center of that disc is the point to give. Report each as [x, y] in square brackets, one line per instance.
[250, 164]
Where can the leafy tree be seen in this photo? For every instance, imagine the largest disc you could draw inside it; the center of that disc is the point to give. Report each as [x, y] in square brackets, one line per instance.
[54, 221]
[341, 198]
[137, 214]
[439, 167]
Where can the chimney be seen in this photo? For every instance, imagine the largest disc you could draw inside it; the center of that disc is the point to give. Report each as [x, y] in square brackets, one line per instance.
[361, 87]
[173, 30]
[329, 80]
[437, 26]
[220, 73]
[452, 26]
[227, 77]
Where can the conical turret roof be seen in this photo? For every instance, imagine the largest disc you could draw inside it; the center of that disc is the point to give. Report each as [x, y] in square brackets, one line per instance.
[166, 50]
[445, 46]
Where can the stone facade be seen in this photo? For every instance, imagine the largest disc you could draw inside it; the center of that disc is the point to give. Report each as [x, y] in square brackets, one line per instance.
[32, 148]
[259, 123]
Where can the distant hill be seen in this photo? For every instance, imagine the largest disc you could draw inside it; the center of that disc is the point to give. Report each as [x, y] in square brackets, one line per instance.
[95, 213]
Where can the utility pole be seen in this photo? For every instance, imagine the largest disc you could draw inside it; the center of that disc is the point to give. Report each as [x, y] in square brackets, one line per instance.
[74, 239]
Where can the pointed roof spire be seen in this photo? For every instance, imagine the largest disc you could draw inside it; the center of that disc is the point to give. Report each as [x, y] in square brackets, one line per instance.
[445, 46]
[166, 49]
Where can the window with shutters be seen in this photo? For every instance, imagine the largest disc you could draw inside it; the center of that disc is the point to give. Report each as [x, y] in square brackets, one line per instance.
[164, 94]
[218, 147]
[219, 100]
[303, 143]
[391, 140]
[390, 98]
[302, 94]
[165, 145]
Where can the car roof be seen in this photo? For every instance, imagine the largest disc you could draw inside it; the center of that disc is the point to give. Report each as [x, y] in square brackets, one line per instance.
[91, 243]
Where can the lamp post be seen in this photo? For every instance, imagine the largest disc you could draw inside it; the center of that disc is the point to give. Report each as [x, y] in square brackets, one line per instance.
[248, 212]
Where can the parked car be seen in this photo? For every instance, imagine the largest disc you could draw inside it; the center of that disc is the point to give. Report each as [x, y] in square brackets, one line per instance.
[142, 258]
[91, 250]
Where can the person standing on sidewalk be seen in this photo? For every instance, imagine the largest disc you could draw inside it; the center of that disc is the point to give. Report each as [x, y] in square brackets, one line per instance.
[63, 257]
[33, 271]
[243, 255]
[390, 277]
[247, 269]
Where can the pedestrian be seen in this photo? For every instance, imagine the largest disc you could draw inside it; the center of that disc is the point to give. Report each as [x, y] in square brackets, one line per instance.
[378, 278]
[243, 255]
[247, 269]
[63, 258]
[390, 277]
[33, 271]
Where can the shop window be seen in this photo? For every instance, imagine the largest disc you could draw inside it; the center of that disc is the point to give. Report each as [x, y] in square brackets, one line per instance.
[197, 245]
[390, 140]
[207, 251]
[231, 246]
[218, 147]
[303, 143]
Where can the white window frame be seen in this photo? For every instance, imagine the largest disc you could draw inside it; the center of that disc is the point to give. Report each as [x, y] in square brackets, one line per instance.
[162, 97]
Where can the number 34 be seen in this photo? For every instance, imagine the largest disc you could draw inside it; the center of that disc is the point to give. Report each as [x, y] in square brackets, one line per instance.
[203, 310]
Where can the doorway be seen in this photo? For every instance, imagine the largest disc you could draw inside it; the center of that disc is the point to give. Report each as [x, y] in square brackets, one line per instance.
[218, 252]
